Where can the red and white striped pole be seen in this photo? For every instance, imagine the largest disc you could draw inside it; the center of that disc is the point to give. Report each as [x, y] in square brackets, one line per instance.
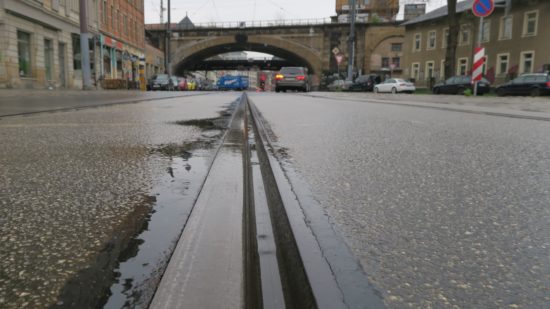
[477, 68]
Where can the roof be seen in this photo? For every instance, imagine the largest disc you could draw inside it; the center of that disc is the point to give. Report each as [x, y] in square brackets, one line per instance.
[461, 6]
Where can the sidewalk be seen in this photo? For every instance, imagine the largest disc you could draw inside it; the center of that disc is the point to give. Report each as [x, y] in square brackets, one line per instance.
[509, 103]
[28, 101]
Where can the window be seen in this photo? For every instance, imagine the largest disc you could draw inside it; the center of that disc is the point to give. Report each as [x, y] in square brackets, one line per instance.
[77, 61]
[486, 31]
[429, 69]
[530, 21]
[396, 47]
[415, 71]
[464, 36]
[506, 27]
[445, 40]
[502, 63]
[113, 18]
[527, 61]
[104, 12]
[24, 53]
[431, 40]
[462, 66]
[48, 58]
[119, 20]
[396, 61]
[125, 19]
[385, 62]
[417, 42]
[442, 70]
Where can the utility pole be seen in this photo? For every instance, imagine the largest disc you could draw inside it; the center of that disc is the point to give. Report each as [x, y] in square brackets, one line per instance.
[85, 47]
[351, 40]
[161, 12]
[168, 37]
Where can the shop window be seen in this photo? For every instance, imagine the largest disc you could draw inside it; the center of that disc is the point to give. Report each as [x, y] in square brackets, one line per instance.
[24, 53]
[77, 60]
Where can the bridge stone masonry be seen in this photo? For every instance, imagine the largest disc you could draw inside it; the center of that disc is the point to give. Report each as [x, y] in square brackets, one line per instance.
[310, 46]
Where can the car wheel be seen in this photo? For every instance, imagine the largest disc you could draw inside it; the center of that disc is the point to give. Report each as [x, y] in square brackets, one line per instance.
[435, 91]
[501, 92]
[535, 92]
[394, 90]
[460, 91]
[375, 90]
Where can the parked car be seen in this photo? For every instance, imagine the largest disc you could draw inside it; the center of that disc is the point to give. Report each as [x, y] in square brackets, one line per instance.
[395, 85]
[459, 84]
[191, 85]
[365, 82]
[526, 84]
[182, 84]
[161, 82]
[339, 84]
[289, 78]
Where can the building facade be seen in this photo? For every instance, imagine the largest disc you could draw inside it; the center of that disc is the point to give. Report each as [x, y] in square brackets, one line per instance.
[42, 39]
[154, 61]
[41, 43]
[122, 39]
[515, 43]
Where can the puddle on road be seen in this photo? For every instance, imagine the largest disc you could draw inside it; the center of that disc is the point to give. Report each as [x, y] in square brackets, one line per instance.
[143, 263]
[128, 269]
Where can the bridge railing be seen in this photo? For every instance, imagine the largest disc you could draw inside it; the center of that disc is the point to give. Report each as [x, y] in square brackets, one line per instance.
[245, 24]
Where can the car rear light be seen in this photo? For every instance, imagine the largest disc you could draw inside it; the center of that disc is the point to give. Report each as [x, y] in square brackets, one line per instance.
[548, 84]
[279, 76]
[300, 77]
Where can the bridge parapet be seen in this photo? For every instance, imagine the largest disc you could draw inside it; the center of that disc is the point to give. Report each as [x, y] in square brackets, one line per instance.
[249, 24]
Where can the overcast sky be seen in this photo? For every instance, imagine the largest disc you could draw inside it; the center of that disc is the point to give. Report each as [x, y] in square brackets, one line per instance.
[247, 10]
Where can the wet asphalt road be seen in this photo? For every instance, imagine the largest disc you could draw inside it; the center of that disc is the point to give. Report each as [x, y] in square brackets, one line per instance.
[444, 209]
[77, 184]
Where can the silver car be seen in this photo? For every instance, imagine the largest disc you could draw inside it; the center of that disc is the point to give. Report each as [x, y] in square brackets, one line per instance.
[292, 78]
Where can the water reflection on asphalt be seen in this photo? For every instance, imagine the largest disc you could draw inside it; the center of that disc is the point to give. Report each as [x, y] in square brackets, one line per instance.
[77, 186]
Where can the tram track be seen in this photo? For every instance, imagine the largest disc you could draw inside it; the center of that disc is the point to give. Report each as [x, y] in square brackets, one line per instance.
[283, 261]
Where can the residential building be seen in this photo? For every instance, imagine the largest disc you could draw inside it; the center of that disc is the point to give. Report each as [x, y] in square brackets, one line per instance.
[515, 43]
[41, 43]
[122, 39]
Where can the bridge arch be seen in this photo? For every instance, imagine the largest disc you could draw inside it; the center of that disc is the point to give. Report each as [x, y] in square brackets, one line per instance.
[188, 53]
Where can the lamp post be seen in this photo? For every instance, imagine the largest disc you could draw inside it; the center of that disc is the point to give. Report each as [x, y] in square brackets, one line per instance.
[351, 40]
[168, 37]
[85, 47]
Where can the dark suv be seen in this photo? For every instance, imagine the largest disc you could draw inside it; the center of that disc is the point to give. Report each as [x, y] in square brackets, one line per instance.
[289, 78]
[526, 84]
[365, 82]
[161, 82]
[458, 84]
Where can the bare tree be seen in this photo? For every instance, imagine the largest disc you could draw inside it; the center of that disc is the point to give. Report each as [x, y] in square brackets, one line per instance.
[452, 41]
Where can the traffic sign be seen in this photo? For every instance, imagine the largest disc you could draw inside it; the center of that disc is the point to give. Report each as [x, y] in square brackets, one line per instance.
[335, 50]
[483, 8]
[339, 58]
[479, 60]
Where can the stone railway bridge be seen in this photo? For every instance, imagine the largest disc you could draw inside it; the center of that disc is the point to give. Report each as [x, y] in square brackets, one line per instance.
[310, 46]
